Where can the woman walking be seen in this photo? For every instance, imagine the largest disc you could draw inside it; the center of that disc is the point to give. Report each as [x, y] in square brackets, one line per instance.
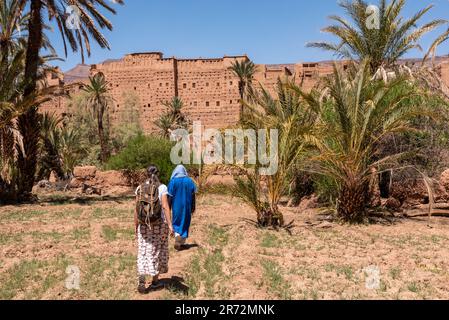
[152, 222]
[181, 190]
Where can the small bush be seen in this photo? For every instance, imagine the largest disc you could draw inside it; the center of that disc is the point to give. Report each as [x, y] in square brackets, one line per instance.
[326, 189]
[143, 151]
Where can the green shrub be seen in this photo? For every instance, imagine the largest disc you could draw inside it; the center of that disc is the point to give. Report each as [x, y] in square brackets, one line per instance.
[326, 189]
[143, 151]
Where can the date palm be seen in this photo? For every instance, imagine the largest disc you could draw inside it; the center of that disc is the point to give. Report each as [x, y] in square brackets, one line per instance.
[49, 159]
[12, 23]
[355, 116]
[245, 71]
[384, 46]
[98, 100]
[12, 105]
[79, 40]
[71, 149]
[14, 28]
[173, 118]
[165, 124]
[292, 119]
[175, 109]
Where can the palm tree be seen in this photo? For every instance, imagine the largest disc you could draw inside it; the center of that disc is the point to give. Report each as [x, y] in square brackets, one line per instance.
[245, 71]
[384, 46]
[354, 118]
[293, 120]
[49, 159]
[14, 28]
[175, 107]
[165, 123]
[12, 23]
[71, 150]
[78, 39]
[98, 100]
[173, 118]
[12, 105]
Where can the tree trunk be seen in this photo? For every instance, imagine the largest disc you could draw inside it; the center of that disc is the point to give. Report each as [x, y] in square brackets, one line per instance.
[104, 149]
[6, 146]
[384, 184]
[5, 54]
[269, 217]
[353, 201]
[28, 123]
[242, 95]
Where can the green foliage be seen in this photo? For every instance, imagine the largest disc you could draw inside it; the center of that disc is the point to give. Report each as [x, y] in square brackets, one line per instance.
[61, 149]
[326, 189]
[86, 124]
[384, 45]
[143, 151]
[274, 279]
[426, 147]
[356, 115]
[98, 100]
[129, 126]
[173, 118]
[245, 71]
[293, 120]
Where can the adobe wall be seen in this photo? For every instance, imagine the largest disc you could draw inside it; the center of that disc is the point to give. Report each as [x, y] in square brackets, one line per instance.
[207, 87]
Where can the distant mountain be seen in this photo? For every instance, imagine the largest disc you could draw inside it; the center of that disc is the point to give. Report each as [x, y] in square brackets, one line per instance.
[80, 72]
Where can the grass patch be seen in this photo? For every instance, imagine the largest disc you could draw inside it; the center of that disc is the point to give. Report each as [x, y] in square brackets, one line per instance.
[8, 238]
[111, 277]
[346, 271]
[274, 280]
[193, 279]
[217, 236]
[22, 215]
[413, 287]
[213, 272]
[80, 234]
[43, 236]
[111, 234]
[395, 273]
[32, 279]
[109, 213]
[270, 240]
[205, 270]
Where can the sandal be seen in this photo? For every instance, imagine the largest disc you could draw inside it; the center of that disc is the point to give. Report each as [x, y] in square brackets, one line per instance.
[141, 288]
[141, 285]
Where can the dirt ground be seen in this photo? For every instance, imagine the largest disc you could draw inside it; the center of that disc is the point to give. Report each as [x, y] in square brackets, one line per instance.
[228, 258]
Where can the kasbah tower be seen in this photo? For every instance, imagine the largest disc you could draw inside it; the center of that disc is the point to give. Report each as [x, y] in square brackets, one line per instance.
[207, 87]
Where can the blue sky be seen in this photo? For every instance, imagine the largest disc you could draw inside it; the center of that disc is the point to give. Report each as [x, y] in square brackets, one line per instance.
[269, 31]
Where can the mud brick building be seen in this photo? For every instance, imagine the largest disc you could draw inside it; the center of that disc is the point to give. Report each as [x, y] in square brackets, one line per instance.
[208, 89]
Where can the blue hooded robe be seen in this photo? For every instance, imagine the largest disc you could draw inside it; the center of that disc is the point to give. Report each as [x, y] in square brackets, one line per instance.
[181, 190]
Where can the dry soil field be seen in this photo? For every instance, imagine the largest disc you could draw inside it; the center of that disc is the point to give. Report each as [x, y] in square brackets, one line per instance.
[229, 258]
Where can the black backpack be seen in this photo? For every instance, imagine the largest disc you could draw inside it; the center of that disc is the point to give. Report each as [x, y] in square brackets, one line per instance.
[149, 208]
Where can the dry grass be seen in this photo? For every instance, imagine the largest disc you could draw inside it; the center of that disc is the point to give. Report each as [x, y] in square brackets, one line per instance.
[233, 260]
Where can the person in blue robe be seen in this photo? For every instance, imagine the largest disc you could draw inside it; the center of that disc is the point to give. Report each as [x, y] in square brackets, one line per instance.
[181, 191]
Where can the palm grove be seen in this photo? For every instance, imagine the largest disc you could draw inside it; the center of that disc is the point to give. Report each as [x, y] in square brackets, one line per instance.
[333, 140]
[23, 70]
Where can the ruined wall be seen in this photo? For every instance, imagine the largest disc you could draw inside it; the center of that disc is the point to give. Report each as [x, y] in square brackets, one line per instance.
[209, 91]
[207, 87]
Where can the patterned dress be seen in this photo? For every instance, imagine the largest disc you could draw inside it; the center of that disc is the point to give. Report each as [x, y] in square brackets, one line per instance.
[152, 257]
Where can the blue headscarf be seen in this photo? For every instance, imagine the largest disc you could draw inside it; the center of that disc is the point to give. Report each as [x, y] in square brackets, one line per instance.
[179, 172]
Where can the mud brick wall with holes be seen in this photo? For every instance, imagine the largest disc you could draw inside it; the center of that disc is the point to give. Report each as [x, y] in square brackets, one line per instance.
[208, 89]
